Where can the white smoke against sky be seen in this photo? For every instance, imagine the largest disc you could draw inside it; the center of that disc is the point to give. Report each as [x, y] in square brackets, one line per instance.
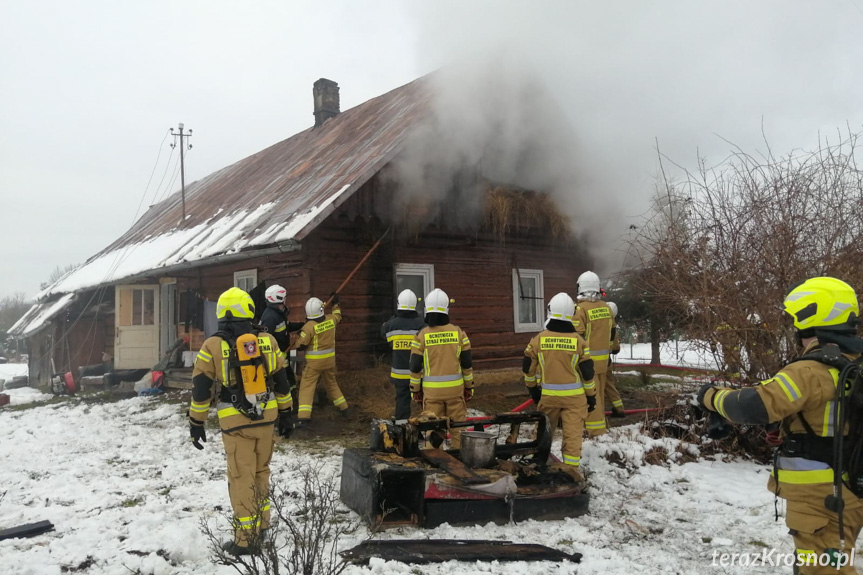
[573, 97]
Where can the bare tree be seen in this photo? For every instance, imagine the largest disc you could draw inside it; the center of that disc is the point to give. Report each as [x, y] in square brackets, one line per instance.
[722, 248]
[307, 521]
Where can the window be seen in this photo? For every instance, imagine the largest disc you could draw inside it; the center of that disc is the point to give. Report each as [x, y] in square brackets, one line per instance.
[418, 278]
[527, 299]
[137, 307]
[246, 280]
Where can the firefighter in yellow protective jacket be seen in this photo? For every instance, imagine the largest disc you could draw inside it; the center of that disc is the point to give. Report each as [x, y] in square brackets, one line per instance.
[440, 365]
[558, 373]
[593, 321]
[244, 371]
[318, 337]
[611, 393]
[802, 397]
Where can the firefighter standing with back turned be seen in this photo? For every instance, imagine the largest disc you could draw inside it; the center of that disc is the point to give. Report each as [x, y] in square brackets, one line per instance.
[318, 337]
[275, 319]
[593, 322]
[611, 393]
[801, 396]
[399, 332]
[558, 373]
[245, 371]
[440, 364]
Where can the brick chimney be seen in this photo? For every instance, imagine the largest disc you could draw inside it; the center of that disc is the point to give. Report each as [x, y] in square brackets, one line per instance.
[326, 94]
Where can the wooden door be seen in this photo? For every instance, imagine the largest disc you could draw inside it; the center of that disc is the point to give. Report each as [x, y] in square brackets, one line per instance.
[136, 341]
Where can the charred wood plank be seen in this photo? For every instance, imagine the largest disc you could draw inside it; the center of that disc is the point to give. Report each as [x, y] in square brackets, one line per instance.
[440, 550]
[27, 530]
[451, 465]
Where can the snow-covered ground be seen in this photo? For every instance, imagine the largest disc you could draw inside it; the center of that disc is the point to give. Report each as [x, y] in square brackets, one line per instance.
[126, 491]
[10, 370]
[679, 353]
[19, 395]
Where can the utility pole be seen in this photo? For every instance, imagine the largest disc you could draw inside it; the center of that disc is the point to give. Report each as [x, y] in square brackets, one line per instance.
[182, 162]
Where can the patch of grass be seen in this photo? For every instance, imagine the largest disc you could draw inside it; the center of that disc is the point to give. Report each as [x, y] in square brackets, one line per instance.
[58, 399]
[565, 542]
[84, 566]
[134, 502]
[758, 543]
[656, 455]
[165, 490]
[706, 539]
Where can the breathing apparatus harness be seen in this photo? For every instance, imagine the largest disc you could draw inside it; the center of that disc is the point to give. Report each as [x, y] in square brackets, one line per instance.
[846, 459]
[248, 385]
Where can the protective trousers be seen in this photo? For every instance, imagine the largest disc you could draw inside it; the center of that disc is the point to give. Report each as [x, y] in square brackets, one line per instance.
[595, 423]
[572, 418]
[611, 393]
[248, 452]
[324, 371]
[403, 397]
[454, 408]
[816, 534]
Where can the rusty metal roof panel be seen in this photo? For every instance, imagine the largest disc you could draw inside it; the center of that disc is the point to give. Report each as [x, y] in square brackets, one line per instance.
[278, 194]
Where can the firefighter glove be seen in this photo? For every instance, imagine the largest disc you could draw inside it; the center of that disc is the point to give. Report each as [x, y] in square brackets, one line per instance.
[535, 393]
[334, 298]
[285, 424]
[417, 396]
[198, 433]
[705, 396]
[591, 403]
[468, 393]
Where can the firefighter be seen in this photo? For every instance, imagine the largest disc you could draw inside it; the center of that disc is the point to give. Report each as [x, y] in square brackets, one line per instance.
[275, 319]
[399, 332]
[611, 393]
[801, 396]
[593, 321]
[440, 365]
[558, 373]
[318, 337]
[246, 423]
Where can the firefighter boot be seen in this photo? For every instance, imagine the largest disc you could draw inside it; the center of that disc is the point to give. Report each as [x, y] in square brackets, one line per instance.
[234, 549]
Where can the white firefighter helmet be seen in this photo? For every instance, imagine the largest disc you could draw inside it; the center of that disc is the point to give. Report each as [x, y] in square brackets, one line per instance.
[407, 300]
[613, 307]
[437, 302]
[561, 307]
[588, 284]
[276, 294]
[314, 308]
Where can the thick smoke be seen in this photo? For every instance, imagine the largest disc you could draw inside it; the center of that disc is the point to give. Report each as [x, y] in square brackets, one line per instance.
[573, 97]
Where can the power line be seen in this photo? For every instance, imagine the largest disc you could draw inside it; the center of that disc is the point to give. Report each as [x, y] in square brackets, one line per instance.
[153, 171]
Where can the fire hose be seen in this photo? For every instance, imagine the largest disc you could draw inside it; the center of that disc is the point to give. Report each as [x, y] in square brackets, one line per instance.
[529, 402]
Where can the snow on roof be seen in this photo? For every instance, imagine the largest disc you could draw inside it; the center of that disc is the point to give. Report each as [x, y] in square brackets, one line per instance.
[37, 316]
[296, 184]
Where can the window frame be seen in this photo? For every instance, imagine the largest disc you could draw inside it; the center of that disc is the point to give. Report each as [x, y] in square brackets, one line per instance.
[246, 274]
[539, 325]
[424, 270]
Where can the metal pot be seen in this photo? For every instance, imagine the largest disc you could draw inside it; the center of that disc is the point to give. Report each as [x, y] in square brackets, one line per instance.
[477, 448]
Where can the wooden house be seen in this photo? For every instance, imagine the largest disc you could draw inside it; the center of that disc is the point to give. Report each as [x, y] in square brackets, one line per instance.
[303, 213]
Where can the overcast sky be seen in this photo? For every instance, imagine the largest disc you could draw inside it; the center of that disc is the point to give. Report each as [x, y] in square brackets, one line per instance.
[91, 88]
